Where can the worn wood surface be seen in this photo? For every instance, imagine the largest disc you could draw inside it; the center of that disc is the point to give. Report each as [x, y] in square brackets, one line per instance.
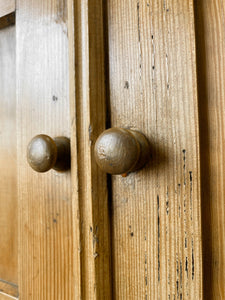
[8, 162]
[210, 37]
[7, 7]
[9, 289]
[4, 296]
[45, 206]
[156, 222]
[90, 205]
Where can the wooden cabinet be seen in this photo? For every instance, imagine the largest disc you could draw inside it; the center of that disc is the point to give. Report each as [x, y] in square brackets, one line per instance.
[73, 68]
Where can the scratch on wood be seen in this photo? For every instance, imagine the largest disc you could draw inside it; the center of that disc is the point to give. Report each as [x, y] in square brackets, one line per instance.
[167, 201]
[158, 238]
[139, 40]
[186, 266]
[192, 260]
[190, 177]
[184, 166]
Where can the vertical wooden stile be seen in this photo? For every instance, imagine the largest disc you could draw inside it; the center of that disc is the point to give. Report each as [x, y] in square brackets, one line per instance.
[210, 40]
[90, 205]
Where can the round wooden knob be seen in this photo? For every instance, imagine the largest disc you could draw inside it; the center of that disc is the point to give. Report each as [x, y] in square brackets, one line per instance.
[121, 151]
[45, 153]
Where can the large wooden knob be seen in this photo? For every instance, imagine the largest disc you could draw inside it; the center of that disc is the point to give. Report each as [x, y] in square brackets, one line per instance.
[45, 153]
[121, 151]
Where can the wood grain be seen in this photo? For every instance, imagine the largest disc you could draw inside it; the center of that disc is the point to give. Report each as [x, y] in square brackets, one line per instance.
[7, 7]
[9, 289]
[8, 161]
[156, 229]
[90, 204]
[45, 205]
[4, 296]
[210, 33]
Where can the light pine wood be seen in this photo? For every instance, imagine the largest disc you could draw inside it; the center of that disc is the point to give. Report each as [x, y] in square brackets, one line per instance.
[156, 221]
[8, 161]
[90, 199]
[10, 289]
[211, 73]
[7, 7]
[45, 205]
[4, 296]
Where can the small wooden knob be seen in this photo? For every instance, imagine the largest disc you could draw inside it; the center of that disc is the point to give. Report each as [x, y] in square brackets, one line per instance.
[121, 151]
[45, 153]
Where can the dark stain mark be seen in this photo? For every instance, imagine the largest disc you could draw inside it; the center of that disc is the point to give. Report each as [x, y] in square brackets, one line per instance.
[146, 277]
[153, 67]
[190, 173]
[139, 33]
[192, 260]
[186, 266]
[168, 86]
[54, 220]
[181, 274]
[152, 37]
[158, 238]
[54, 98]
[184, 166]
[190, 177]
[167, 10]
[177, 268]
[126, 85]
[185, 241]
[167, 201]
[132, 234]
[91, 229]
[90, 130]
[177, 282]
[148, 4]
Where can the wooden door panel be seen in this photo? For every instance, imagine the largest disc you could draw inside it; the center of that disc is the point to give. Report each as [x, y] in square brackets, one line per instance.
[156, 223]
[8, 163]
[45, 216]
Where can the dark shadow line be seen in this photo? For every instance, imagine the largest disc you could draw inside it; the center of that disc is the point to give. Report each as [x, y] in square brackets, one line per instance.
[108, 125]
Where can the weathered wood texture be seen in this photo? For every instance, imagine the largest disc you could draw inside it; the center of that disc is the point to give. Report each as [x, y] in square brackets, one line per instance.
[9, 289]
[90, 205]
[8, 163]
[156, 229]
[210, 38]
[45, 208]
[7, 7]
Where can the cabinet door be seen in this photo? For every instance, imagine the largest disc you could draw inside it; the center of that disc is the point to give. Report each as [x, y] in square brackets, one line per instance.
[151, 86]
[45, 214]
